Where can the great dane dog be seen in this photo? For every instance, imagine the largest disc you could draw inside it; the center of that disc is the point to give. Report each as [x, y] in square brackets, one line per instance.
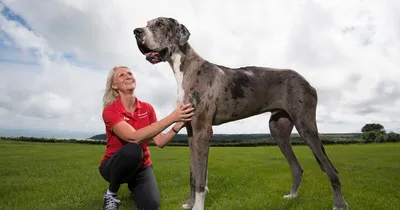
[221, 94]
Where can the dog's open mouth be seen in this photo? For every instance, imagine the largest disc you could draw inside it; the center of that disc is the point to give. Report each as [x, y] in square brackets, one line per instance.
[151, 55]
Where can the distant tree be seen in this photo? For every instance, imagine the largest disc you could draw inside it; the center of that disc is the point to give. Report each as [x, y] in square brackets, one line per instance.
[369, 136]
[373, 132]
[393, 137]
[373, 127]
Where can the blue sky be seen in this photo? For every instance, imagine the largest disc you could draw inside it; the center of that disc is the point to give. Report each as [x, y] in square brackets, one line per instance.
[9, 52]
[54, 59]
[10, 15]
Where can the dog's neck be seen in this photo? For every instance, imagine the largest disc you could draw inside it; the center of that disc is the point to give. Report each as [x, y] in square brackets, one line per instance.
[182, 60]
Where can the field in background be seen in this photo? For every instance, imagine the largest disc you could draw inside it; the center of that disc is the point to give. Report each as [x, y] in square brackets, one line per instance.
[64, 176]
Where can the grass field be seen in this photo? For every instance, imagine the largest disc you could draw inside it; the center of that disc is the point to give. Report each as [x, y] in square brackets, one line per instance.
[64, 176]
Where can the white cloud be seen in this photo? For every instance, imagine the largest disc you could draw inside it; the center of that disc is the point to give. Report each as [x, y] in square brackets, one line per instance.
[348, 51]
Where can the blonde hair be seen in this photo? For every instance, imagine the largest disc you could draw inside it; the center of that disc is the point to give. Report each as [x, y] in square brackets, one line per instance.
[110, 94]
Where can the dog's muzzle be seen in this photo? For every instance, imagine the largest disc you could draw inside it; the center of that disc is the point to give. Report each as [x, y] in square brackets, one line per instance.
[153, 56]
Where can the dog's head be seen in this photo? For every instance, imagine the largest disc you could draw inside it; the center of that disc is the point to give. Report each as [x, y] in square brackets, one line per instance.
[161, 36]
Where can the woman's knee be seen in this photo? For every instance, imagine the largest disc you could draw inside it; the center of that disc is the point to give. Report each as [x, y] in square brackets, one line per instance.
[133, 151]
[149, 203]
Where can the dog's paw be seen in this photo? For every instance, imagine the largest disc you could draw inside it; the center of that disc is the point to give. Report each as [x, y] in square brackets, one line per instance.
[340, 204]
[344, 206]
[187, 206]
[340, 208]
[290, 196]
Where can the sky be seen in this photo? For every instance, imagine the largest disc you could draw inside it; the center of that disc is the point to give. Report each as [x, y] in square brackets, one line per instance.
[55, 57]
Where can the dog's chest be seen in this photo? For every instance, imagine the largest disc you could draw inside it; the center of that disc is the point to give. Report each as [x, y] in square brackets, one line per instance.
[179, 78]
[179, 83]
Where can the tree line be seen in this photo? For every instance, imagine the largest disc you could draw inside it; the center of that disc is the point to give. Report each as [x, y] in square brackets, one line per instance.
[370, 133]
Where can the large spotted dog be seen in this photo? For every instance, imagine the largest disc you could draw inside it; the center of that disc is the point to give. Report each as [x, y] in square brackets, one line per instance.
[221, 94]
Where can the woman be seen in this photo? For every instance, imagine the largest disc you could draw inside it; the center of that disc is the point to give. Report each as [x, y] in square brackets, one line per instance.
[130, 124]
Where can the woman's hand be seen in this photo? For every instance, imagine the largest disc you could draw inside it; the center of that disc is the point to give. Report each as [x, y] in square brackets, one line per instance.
[183, 113]
[178, 126]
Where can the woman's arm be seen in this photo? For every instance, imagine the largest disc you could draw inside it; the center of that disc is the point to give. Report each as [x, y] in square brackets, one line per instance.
[163, 139]
[127, 133]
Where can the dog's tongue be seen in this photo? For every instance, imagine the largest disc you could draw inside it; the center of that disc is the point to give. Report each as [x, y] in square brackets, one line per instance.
[151, 54]
[152, 57]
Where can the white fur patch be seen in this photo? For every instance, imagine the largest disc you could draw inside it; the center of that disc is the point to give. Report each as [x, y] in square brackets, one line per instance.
[199, 201]
[186, 206]
[290, 196]
[249, 73]
[176, 63]
[220, 71]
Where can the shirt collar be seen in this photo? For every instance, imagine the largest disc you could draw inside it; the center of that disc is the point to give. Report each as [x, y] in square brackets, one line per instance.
[122, 109]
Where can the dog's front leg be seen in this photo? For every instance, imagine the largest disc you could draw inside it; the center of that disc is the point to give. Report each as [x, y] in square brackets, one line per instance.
[199, 147]
[190, 202]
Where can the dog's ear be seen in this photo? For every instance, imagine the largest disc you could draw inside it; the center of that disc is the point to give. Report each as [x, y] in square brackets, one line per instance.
[183, 34]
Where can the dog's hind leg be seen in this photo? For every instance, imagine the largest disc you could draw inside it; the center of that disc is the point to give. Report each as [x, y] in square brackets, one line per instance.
[281, 127]
[308, 131]
[305, 122]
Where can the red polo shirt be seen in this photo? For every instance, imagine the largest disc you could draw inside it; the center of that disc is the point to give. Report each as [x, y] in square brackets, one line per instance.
[114, 113]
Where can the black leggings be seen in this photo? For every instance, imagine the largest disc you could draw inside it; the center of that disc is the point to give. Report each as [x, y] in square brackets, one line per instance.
[123, 167]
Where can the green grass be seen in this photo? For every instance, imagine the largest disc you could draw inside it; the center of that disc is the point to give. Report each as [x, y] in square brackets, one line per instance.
[64, 176]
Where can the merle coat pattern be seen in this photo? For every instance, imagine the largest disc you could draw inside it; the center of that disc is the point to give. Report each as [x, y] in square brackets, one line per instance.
[221, 94]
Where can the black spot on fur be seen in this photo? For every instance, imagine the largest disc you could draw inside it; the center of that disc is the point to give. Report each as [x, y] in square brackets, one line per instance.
[239, 81]
[192, 180]
[201, 188]
[194, 98]
[234, 114]
[205, 65]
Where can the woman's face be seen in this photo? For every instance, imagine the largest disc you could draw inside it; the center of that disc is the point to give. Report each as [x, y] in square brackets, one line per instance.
[123, 80]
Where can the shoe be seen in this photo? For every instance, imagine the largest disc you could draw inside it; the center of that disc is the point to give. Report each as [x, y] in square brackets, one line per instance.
[110, 202]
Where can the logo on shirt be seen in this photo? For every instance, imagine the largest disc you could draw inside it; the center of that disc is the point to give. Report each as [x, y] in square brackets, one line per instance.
[126, 118]
[142, 115]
